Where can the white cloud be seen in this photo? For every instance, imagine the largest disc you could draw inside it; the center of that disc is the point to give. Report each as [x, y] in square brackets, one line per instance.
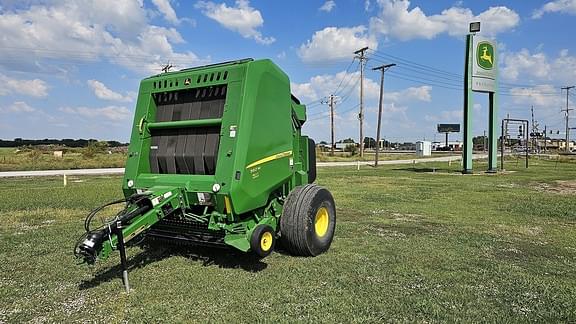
[17, 107]
[113, 113]
[328, 6]
[240, 18]
[523, 61]
[421, 93]
[562, 6]
[538, 67]
[544, 95]
[397, 20]
[304, 91]
[92, 30]
[166, 9]
[334, 43]
[103, 92]
[367, 5]
[321, 86]
[446, 116]
[33, 88]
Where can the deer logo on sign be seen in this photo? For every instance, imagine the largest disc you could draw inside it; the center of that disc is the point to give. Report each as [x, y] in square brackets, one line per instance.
[485, 55]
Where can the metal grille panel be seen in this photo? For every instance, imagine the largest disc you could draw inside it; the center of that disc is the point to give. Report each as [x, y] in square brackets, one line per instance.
[187, 150]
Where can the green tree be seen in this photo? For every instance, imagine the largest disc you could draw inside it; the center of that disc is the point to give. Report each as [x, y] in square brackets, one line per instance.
[351, 148]
[93, 148]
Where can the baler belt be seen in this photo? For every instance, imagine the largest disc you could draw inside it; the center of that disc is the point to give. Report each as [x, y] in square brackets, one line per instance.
[187, 150]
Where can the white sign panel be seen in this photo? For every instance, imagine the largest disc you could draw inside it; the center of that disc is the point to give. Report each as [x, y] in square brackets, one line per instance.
[483, 65]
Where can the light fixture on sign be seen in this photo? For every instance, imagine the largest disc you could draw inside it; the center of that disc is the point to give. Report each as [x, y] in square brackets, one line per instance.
[475, 27]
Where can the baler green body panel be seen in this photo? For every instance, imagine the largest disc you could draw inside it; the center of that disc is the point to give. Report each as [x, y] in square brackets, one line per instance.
[264, 131]
[226, 137]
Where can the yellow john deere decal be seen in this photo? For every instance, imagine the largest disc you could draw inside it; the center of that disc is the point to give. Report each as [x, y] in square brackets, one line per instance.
[269, 158]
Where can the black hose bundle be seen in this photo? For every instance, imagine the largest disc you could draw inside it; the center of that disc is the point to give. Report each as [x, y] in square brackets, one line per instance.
[95, 211]
[125, 215]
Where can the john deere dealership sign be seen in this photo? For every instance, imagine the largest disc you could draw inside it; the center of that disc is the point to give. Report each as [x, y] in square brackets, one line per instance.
[480, 75]
[484, 66]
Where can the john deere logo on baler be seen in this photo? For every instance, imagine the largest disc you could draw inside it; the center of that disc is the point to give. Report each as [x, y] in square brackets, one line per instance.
[485, 55]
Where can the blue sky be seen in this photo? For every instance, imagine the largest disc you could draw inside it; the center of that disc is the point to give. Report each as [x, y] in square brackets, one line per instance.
[71, 68]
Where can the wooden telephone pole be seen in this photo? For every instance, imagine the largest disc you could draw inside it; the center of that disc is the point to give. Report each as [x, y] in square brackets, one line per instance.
[382, 68]
[567, 116]
[360, 55]
[331, 103]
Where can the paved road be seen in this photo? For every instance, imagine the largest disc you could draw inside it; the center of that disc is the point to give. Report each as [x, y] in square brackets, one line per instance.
[410, 161]
[12, 174]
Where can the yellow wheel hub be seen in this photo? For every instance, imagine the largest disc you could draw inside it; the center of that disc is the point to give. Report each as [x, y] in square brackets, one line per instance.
[321, 221]
[266, 241]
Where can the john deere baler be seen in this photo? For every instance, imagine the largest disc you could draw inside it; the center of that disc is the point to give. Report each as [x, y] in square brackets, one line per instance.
[217, 157]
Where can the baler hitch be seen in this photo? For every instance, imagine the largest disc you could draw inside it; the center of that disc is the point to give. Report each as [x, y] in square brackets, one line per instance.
[139, 214]
[90, 245]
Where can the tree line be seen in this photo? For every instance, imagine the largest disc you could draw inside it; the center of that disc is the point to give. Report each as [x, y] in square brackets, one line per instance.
[68, 142]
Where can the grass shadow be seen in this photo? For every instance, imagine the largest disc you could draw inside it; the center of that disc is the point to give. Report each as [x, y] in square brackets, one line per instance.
[154, 252]
[428, 170]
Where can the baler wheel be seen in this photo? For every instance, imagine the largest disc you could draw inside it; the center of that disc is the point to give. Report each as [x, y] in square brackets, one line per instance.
[263, 240]
[308, 220]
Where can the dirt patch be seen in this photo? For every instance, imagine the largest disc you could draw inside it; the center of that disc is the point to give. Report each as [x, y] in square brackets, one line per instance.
[565, 187]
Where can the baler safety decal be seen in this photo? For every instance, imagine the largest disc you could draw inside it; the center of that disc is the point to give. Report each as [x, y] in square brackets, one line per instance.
[269, 158]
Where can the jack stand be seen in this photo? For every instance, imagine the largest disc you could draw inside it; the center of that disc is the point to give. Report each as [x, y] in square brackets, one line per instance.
[123, 261]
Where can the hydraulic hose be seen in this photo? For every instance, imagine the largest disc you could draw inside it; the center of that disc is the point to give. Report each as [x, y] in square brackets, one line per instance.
[90, 243]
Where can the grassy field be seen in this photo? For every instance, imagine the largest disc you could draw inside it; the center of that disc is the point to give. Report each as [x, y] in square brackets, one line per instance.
[411, 246]
[32, 159]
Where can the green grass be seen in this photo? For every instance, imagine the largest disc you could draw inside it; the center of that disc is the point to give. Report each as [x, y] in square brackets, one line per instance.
[411, 246]
[11, 160]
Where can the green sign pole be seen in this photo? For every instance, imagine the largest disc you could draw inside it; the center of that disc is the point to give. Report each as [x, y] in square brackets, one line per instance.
[493, 133]
[467, 149]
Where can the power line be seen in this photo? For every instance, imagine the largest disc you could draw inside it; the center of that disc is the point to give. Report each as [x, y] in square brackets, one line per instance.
[350, 90]
[345, 74]
[428, 68]
[453, 86]
[339, 113]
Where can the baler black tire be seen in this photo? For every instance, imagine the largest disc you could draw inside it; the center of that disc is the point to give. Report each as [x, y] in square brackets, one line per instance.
[298, 221]
[256, 245]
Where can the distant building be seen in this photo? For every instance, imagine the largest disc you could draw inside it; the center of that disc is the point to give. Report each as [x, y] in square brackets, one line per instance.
[555, 144]
[342, 146]
[452, 146]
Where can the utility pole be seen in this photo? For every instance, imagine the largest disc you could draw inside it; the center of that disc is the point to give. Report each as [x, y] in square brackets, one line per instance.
[382, 68]
[484, 142]
[331, 103]
[507, 136]
[360, 54]
[545, 140]
[534, 132]
[567, 114]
